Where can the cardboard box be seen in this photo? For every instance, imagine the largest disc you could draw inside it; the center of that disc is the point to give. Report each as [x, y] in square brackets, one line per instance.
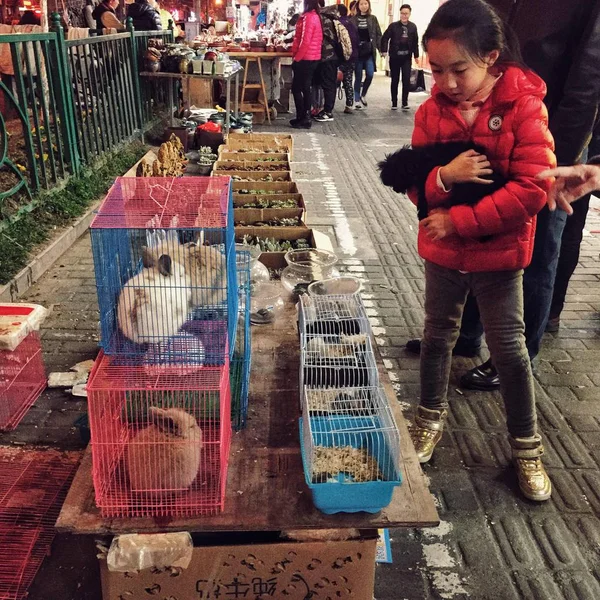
[273, 571]
[271, 140]
[255, 175]
[276, 260]
[283, 187]
[198, 92]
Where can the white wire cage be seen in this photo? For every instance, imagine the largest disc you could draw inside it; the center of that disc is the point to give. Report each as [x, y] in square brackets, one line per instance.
[350, 449]
[336, 348]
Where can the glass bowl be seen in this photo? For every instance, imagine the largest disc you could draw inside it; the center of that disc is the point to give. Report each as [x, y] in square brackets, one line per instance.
[306, 266]
[265, 303]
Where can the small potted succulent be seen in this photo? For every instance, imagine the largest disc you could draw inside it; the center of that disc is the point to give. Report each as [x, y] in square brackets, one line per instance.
[206, 160]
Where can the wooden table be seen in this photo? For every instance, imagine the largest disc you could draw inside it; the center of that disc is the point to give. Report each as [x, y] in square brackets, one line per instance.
[266, 490]
[227, 78]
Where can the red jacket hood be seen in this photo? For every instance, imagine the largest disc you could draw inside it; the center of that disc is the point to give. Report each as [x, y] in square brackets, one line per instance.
[515, 83]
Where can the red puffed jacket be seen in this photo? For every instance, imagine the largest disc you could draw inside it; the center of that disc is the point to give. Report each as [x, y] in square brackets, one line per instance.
[497, 233]
[308, 37]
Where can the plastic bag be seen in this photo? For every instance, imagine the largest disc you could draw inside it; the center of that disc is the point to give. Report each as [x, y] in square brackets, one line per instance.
[136, 552]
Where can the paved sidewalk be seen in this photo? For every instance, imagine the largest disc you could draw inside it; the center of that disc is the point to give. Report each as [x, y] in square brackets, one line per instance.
[490, 544]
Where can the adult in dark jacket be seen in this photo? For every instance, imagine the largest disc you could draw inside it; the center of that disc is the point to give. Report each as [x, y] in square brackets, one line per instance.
[401, 41]
[347, 67]
[105, 15]
[326, 75]
[369, 36]
[145, 16]
[561, 42]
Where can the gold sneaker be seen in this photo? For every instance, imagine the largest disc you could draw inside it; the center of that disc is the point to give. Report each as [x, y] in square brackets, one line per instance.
[533, 479]
[427, 431]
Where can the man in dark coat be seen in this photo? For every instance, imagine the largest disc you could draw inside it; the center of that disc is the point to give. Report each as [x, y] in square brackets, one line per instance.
[145, 16]
[401, 41]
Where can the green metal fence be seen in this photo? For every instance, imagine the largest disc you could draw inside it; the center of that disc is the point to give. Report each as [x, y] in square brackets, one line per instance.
[68, 103]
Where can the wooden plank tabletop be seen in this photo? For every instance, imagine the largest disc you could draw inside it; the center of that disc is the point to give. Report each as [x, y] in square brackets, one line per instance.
[266, 489]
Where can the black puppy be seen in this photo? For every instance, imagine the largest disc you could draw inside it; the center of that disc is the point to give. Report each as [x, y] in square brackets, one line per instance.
[410, 167]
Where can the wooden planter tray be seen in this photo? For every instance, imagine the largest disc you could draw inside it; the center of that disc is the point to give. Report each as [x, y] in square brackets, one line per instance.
[279, 176]
[283, 187]
[278, 157]
[266, 489]
[276, 260]
[249, 216]
[270, 140]
[249, 165]
[240, 200]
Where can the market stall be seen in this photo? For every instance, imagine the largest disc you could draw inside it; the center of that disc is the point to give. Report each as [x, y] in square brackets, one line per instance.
[319, 457]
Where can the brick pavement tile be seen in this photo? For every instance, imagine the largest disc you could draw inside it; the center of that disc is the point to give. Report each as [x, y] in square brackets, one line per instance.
[475, 449]
[570, 379]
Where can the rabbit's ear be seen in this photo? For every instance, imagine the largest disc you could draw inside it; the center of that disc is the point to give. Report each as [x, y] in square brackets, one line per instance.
[165, 265]
[147, 257]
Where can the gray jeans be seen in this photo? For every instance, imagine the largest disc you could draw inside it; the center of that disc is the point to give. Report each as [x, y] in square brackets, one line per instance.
[499, 296]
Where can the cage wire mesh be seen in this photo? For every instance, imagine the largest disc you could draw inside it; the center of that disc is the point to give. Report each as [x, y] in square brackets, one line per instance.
[241, 355]
[33, 486]
[164, 259]
[335, 338]
[22, 379]
[350, 448]
[160, 443]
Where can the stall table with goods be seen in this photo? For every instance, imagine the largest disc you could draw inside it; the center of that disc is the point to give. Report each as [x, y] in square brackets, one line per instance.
[280, 447]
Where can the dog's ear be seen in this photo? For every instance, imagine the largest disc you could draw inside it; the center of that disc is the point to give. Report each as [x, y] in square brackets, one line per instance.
[398, 170]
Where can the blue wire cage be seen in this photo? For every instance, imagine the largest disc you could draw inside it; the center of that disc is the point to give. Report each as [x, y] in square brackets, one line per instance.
[241, 351]
[164, 259]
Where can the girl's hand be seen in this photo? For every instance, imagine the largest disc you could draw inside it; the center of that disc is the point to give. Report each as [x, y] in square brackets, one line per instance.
[571, 184]
[466, 167]
[438, 224]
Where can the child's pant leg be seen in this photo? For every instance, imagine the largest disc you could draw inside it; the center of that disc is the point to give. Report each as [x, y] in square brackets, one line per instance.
[445, 295]
[500, 300]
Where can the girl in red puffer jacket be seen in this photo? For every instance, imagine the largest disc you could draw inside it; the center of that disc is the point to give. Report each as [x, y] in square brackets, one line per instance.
[482, 95]
[306, 52]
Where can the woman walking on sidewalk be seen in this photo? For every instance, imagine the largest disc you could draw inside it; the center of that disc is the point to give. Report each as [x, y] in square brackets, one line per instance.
[369, 40]
[306, 52]
[347, 67]
[482, 95]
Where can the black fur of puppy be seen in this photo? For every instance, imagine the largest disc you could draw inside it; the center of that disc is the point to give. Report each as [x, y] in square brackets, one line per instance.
[410, 167]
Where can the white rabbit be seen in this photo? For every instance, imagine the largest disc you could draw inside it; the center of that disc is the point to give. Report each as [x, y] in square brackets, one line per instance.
[154, 304]
[204, 266]
[165, 456]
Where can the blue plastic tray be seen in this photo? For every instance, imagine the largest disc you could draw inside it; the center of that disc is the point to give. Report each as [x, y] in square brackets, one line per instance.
[348, 496]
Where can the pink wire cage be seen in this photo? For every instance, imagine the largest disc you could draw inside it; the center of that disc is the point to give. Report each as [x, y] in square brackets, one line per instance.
[33, 486]
[22, 380]
[160, 439]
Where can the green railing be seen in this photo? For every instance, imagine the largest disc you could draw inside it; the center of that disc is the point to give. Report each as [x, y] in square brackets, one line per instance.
[70, 102]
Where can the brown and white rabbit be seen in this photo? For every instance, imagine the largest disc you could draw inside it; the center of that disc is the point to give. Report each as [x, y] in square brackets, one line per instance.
[205, 266]
[154, 304]
[165, 456]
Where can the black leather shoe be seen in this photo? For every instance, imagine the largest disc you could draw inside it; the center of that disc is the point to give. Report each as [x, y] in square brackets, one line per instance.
[483, 378]
[414, 347]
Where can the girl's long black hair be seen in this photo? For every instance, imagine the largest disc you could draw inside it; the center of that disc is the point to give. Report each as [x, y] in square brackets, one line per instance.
[475, 26]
